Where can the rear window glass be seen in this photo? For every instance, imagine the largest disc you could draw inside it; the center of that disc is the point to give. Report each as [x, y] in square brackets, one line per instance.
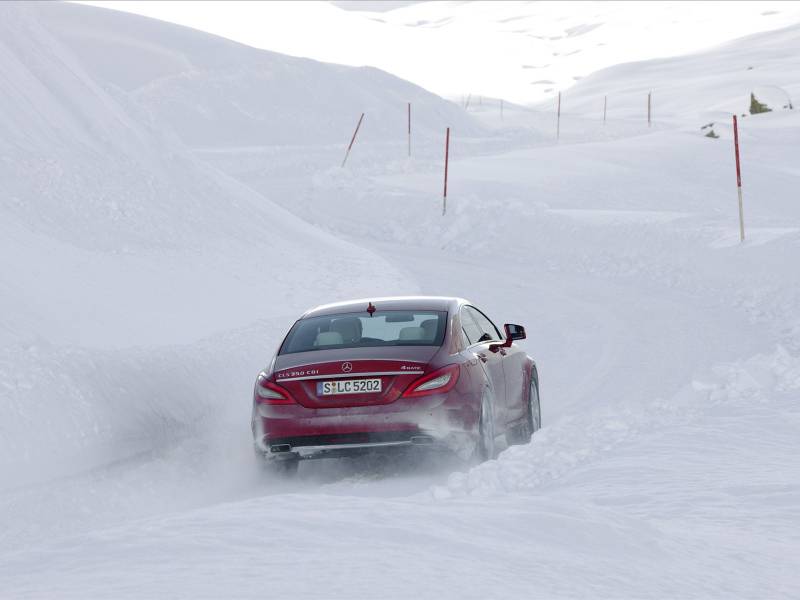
[359, 330]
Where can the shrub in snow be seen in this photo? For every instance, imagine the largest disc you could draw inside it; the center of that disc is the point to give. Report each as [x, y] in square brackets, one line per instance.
[710, 127]
[756, 106]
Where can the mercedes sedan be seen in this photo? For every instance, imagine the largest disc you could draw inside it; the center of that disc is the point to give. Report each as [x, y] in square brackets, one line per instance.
[395, 374]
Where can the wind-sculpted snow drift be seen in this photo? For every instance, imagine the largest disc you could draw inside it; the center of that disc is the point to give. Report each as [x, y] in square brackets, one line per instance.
[116, 238]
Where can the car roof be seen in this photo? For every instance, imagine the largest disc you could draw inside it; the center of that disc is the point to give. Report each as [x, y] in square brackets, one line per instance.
[450, 304]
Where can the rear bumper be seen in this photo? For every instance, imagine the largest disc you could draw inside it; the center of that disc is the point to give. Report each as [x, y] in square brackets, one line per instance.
[439, 423]
[310, 448]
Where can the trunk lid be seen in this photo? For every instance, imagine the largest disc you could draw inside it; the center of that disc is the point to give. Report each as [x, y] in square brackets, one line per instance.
[304, 373]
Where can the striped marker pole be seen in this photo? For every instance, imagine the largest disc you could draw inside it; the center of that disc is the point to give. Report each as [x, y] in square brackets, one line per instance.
[605, 105]
[738, 178]
[355, 133]
[648, 108]
[446, 161]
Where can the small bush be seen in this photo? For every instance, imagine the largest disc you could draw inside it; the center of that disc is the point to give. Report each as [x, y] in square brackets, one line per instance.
[711, 134]
[757, 107]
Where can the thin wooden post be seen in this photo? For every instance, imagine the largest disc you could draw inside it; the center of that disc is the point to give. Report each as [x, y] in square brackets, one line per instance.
[605, 105]
[446, 161]
[738, 178]
[558, 118]
[648, 108]
[352, 140]
[409, 129]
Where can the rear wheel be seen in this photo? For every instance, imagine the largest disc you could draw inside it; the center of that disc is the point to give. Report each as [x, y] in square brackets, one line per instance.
[486, 449]
[533, 416]
[534, 409]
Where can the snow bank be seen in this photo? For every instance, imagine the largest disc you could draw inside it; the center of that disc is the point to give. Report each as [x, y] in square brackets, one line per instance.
[123, 251]
[213, 92]
[749, 390]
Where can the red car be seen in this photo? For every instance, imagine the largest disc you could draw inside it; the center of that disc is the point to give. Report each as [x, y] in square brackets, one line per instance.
[392, 374]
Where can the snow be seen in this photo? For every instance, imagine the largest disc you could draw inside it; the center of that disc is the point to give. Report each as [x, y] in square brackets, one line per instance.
[153, 264]
[521, 51]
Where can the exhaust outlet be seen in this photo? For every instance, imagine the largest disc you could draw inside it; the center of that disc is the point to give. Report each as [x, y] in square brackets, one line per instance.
[419, 440]
[277, 448]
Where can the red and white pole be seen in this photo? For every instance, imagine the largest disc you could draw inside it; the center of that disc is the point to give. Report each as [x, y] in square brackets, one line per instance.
[409, 128]
[355, 133]
[558, 118]
[446, 161]
[738, 178]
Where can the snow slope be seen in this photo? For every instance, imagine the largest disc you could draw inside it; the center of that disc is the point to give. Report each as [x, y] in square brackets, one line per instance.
[715, 82]
[521, 51]
[669, 355]
[213, 92]
[117, 241]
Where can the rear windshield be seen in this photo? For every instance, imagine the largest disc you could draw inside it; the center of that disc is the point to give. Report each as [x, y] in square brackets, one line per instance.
[359, 330]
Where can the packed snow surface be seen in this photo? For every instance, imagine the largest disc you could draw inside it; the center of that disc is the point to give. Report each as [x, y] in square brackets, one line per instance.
[161, 230]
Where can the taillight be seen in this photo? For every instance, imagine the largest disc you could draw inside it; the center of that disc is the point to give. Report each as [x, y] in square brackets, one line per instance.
[440, 381]
[270, 393]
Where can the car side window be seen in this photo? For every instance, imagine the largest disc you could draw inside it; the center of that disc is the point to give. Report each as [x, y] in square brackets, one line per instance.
[471, 330]
[486, 330]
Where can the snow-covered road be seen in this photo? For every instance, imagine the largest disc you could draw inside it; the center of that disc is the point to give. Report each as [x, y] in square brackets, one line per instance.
[638, 483]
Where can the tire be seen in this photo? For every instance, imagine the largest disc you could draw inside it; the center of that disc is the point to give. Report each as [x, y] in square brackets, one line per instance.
[486, 449]
[533, 416]
[534, 408]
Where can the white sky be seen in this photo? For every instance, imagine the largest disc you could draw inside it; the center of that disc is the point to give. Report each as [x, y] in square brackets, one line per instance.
[521, 51]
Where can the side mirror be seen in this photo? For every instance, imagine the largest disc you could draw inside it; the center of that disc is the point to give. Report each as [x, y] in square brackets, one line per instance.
[513, 332]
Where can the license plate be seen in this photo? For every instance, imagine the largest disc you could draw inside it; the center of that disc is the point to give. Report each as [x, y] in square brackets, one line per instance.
[348, 386]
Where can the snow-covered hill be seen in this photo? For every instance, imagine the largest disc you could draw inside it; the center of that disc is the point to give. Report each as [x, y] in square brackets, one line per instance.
[709, 84]
[213, 92]
[115, 238]
[146, 280]
[521, 51]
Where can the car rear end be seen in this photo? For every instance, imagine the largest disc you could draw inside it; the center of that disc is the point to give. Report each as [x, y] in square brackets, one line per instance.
[350, 382]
